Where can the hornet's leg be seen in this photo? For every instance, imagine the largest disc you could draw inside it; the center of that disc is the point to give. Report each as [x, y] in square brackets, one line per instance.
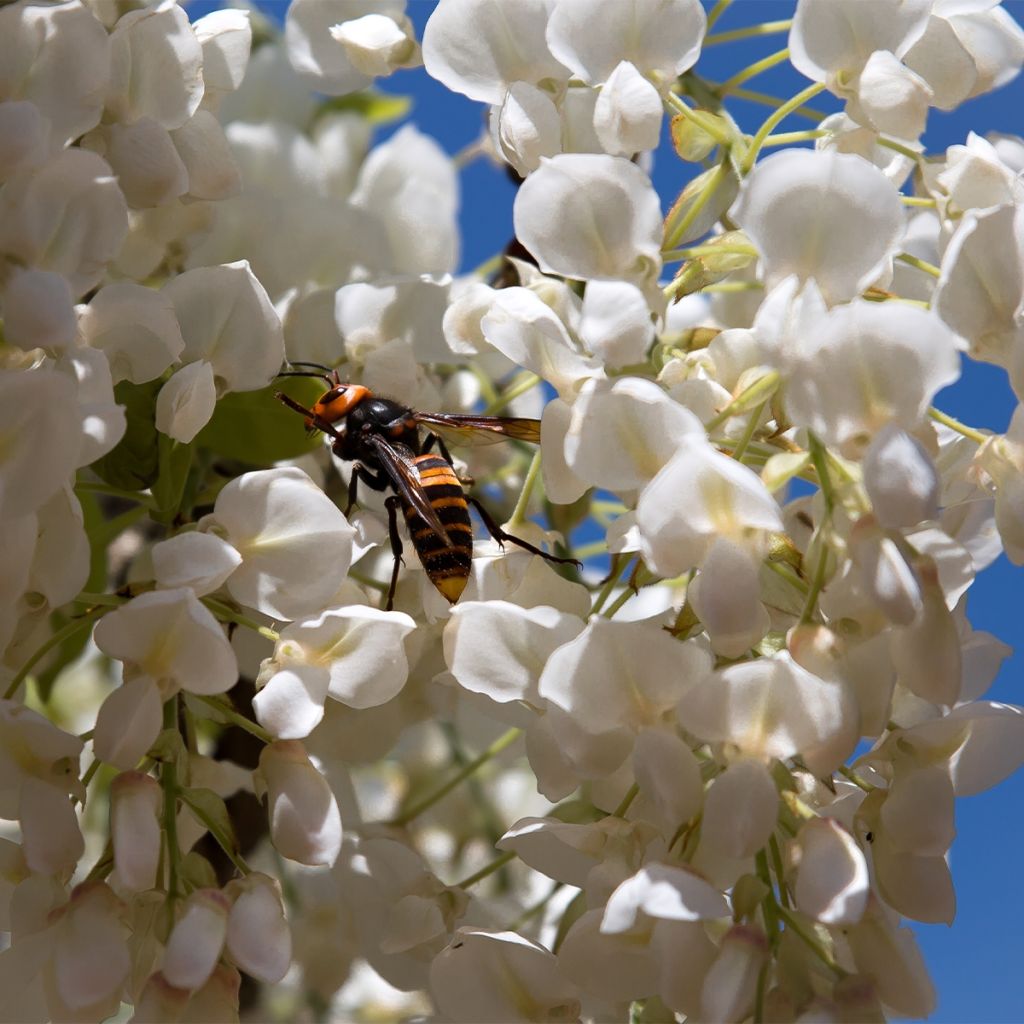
[378, 481]
[501, 536]
[393, 504]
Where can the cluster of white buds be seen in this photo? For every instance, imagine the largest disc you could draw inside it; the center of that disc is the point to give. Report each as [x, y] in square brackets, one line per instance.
[705, 775]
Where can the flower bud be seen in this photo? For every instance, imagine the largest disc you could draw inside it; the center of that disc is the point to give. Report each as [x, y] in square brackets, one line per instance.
[305, 824]
[258, 937]
[900, 478]
[195, 943]
[135, 829]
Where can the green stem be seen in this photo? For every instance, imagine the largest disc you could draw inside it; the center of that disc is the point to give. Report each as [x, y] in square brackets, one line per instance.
[780, 871]
[819, 459]
[526, 382]
[812, 942]
[95, 487]
[918, 201]
[519, 512]
[64, 633]
[169, 784]
[961, 428]
[764, 99]
[787, 138]
[694, 251]
[721, 6]
[609, 585]
[748, 433]
[753, 70]
[772, 120]
[765, 28]
[852, 776]
[368, 581]
[900, 148]
[227, 614]
[234, 717]
[533, 910]
[762, 389]
[631, 795]
[488, 869]
[913, 261]
[501, 743]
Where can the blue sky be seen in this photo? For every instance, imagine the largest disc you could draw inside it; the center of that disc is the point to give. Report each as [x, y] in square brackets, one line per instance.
[976, 964]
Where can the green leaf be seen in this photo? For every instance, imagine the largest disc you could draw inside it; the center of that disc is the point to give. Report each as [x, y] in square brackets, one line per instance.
[254, 427]
[134, 462]
[376, 107]
[198, 872]
[211, 810]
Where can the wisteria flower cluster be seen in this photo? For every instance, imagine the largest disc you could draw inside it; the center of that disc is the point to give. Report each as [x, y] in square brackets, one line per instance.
[706, 775]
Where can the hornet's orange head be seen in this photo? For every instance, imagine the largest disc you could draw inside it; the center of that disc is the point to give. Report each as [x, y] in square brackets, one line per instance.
[334, 405]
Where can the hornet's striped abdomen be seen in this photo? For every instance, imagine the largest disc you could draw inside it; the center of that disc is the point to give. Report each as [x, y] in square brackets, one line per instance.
[447, 567]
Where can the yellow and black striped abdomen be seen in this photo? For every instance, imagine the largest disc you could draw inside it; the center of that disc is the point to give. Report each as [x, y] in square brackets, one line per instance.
[447, 567]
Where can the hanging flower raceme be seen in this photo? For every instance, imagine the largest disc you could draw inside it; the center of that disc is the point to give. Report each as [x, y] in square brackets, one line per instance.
[700, 764]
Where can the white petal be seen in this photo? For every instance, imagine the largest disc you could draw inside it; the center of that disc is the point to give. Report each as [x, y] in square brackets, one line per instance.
[767, 708]
[156, 66]
[834, 40]
[200, 561]
[135, 804]
[305, 824]
[410, 184]
[668, 779]
[202, 147]
[627, 116]
[58, 58]
[699, 495]
[68, 216]
[290, 704]
[24, 136]
[900, 479]
[982, 282]
[616, 323]
[527, 127]
[526, 330]
[322, 63]
[918, 811]
[50, 835]
[731, 982]
[295, 544]
[258, 937]
[171, 637]
[500, 649]
[561, 484]
[374, 44]
[892, 97]
[620, 436]
[195, 943]
[226, 39]
[186, 402]
[91, 959]
[38, 310]
[591, 217]
[832, 874]
[481, 47]
[726, 596]
[592, 38]
[136, 328]
[831, 217]
[227, 319]
[667, 893]
[499, 976]
[740, 810]
[143, 157]
[128, 723]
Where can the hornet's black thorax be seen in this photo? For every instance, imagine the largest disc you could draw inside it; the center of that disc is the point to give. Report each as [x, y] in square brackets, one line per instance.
[379, 416]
